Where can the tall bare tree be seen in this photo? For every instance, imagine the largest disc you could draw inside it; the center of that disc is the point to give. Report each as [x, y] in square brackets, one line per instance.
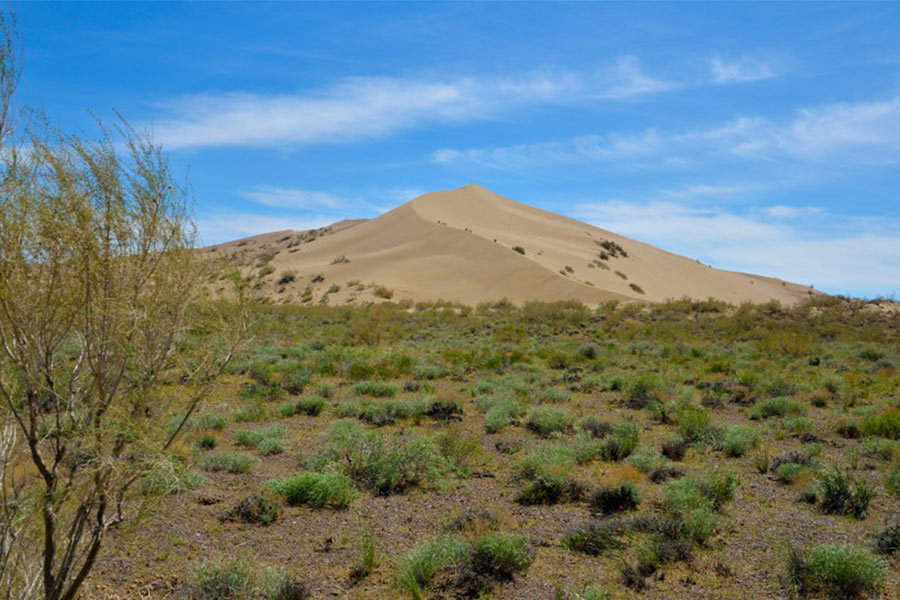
[99, 283]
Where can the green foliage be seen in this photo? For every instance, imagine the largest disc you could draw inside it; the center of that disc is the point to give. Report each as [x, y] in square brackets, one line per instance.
[315, 489]
[621, 442]
[422, 563]
[888, 539]
[844, 494]
[547, 460]
[230, 462]
[835, 571]
[376, 389]
[594, 538]
[266, 441]
[500, 555]
[258, 507]
[777, 407]
[885, 424]
[236, 579]
[546, 421]
[737, 440]
[519, 249]
[618, 498]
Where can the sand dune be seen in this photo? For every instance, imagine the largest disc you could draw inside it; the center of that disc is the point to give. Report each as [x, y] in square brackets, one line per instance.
[458, 245]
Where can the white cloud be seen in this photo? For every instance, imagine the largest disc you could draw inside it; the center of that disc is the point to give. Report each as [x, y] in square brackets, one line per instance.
[371, 107]
[741, 70]
[291, 198]
[225, 226]
[792, 212]
[864, 259]
[842, 134]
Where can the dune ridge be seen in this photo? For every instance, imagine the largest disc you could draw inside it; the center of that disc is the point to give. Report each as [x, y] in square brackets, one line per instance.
[457, 245]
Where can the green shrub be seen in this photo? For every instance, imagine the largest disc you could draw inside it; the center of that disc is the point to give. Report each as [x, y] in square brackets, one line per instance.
[594, 537]
[844, 494]
[642, 392]
[674, 447]
[550, 489]
[552, 460]
[259, 507]
[237, 580]
[646, 460]
[206, 441]
[693, 423]
[892, 480]
[422, 563]
[738, 440]
[635, 287]
[375, 389]
[777, 407]
[885, 424]
[501, 413]
[879, 448]
[386, 413]
[546, 421]
[367, 557]
[835, 571]
[500, 555]
[553, 395]
[621, 442]
[210, 421]
[231, 462]
[519, 249]
[788, 472]
[315, 489]
[888, 539]
[618, 498]
[266, 441]
[385, 468]
[719, 486]
[591, 592]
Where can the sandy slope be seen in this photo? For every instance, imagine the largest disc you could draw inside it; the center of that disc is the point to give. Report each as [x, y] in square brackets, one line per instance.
[457, 245]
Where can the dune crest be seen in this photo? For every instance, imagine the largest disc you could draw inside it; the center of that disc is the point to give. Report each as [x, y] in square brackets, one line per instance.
[470, 245]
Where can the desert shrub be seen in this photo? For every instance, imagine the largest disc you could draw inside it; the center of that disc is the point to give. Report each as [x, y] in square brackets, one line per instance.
[253, 412]
[844, 494]
[835, 571]
[287, 276]
[553, 395]
[385, 468]
[892, 480]
[636, 288]
[230, 462]
[799, 458]
[266, 441]
[664, 473]
[618, 498]
[642, 392]
[552, 460]
[788, 472]
[550, 489]
[236, 579]
[694, 502]
[422, 563]
[848, 429]
[693, 423]
[206, 441]
[597, 428]
[386, 413]
[499, 555]
[737, 440]
[888, 539]
[586, 447]
[777, 407]
[315, 489]
[879, 448]
[383, 292]
[428, 371]
[519, 249]
[310, 405]
[719, 485]
[885, 424]
[591, 592]
[258, 507]
[621, 442]
[674, 447]
[376, 389]
[546, 421]
[213, 421]
[500, 413]
[444, 410]
[594, 537]
[645, 460]
[367, 557]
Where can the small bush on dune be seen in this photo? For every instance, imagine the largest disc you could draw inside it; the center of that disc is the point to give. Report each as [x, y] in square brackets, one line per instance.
[315, 489]
[837, 572]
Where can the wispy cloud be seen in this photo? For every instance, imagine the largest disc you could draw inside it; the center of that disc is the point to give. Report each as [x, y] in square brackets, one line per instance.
[224, 226]
[854, 257]
[847, 133]
[372, 107]
[741, 70]
[292, 198]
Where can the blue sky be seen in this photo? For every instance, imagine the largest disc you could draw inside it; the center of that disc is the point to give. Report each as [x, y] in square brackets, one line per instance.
[756, 137]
